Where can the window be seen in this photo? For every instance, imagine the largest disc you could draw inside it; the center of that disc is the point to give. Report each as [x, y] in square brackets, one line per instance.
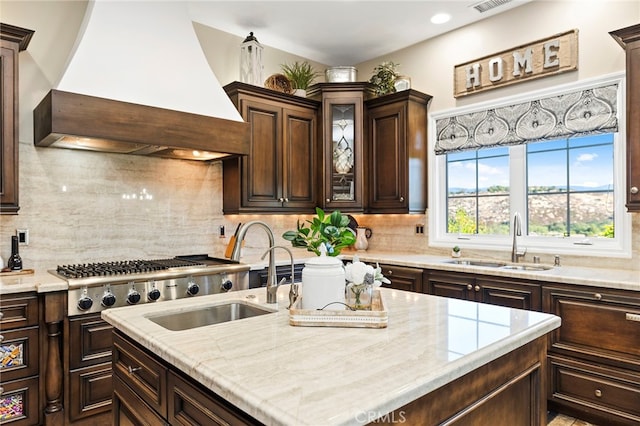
[569, 190]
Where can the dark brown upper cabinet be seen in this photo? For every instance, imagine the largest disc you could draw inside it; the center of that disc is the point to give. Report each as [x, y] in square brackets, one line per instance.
[629, 39]
[396, 127]
[12, 41]
[280, 173]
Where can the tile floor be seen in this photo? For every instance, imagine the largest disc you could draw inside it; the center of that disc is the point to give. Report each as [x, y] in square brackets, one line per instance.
[554, 419]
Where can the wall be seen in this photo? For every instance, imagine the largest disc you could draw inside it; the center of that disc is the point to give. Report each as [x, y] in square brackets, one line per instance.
[93, 219]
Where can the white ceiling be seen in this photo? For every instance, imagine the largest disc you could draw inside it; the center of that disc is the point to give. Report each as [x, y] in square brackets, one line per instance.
[339, 32]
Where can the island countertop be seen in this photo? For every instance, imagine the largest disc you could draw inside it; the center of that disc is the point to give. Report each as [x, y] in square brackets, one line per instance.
[288, 375]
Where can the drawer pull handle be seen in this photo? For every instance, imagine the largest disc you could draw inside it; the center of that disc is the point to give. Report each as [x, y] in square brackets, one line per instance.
[632, 317]
[598, 393]
[477, 288]
[633, 190]
[133, 369]
[598, 296]
[469, 287]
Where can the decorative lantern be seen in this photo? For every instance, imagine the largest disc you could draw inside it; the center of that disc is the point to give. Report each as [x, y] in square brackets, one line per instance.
[251, 61]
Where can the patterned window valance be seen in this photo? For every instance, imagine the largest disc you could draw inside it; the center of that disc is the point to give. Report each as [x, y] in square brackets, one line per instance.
[577, 113]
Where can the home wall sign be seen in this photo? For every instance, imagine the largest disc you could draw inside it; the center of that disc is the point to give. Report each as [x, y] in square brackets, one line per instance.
[541, 58]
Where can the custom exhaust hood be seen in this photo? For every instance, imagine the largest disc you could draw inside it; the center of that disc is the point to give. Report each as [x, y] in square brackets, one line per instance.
[138, 83]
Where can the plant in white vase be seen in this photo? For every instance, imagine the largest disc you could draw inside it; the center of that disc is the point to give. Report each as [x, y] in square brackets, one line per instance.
[361, 279]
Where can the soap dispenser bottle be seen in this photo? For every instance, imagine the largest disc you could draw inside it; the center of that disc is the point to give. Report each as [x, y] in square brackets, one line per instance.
[15, 261]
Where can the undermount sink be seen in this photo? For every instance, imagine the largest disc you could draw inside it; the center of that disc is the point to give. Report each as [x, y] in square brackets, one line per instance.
[500, 265]
[209, 315]
[485, 263]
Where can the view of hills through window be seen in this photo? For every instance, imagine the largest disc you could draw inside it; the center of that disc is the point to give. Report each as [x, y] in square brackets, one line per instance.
[568, 184]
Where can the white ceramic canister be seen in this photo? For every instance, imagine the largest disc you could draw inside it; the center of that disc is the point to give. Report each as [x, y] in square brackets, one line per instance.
[323, 283]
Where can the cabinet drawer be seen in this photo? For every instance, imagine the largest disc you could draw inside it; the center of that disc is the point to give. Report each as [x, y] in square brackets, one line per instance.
[90, 391]
[129, 409]
[145, 376]
[90, 341]
[596, 325]
[19, 404]
[612, 395]
[19, 354]
[18, 311]
[403, 278]
[189, 405]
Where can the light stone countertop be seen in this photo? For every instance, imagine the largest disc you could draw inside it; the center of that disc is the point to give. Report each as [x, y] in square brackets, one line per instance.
[597, 277]
[286, 375]
[43, 282]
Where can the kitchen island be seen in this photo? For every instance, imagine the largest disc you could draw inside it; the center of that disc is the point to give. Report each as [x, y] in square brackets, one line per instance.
[438, 358]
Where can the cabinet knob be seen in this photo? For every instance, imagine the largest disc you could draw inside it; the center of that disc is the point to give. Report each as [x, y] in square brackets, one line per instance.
[389, 272]
[328, 200]
[281, 199]
[1, 338]
[477, 288]
[402, 199]
[598, 296]
[286, 200]
[633, 190]
[1, 315]
[1, 390]
[598, 393]
[469, 287]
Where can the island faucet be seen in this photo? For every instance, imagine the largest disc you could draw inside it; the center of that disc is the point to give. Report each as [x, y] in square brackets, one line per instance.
[516, 254]
[293, 289]
[272, 285]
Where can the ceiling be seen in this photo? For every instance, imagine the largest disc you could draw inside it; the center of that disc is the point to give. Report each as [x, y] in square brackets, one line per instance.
[341, 32]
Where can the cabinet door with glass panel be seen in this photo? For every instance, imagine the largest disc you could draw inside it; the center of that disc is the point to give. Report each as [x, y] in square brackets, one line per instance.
[342, 149]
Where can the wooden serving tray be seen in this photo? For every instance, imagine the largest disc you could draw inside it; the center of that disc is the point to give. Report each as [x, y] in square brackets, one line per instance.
[375, 318]
[21, 272]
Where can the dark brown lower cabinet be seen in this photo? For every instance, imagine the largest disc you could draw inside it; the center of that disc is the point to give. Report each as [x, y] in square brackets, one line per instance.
[512, 293]
[88, 390]
[594, 357]
[403, 277]
[149, 391]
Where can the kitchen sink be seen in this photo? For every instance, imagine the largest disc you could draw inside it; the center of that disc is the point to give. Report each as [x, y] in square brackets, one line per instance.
[501, 265]
[528, 267]
[217, 314]
[485, 263]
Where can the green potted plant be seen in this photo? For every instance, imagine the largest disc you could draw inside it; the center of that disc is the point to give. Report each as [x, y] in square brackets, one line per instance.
[330, 230]
[301, 75]
[384, 77]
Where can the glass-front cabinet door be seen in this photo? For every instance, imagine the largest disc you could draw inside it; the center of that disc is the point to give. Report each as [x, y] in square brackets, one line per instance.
[342, 149]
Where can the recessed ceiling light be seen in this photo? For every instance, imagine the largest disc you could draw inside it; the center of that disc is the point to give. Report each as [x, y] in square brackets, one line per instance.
[440, 18]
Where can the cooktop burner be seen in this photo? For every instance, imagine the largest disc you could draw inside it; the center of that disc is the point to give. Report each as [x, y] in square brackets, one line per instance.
[122, 267]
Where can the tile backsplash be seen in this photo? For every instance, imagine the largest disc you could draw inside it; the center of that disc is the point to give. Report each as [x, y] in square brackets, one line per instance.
[84, 206]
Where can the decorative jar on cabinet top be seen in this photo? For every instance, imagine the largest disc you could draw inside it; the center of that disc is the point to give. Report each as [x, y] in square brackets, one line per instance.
[323, 283]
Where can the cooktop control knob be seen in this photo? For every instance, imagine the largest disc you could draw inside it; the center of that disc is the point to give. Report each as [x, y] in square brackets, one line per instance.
[108, 299]
[192, 288]
[154, 294]
[226, 285]
[85, 303]
[133, 297]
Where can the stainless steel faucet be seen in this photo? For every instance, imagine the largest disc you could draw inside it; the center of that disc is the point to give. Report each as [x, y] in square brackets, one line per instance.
[272, 285]
[293, 289]
[517, 231]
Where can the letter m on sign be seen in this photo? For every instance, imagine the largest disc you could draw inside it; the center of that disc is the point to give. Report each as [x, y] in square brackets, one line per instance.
[521, 61]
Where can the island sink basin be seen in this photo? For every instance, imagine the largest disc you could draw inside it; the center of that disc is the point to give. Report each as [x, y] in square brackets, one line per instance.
[209, 315]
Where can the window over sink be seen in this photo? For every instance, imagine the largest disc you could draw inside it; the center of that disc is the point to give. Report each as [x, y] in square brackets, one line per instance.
[569, 190]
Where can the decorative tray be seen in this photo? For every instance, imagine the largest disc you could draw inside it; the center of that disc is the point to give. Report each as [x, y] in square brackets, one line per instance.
[375, 318]
[8, 273]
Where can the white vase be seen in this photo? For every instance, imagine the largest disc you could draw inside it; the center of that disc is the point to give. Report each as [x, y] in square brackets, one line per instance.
[323, 283]
[362, 234]
[300, 92]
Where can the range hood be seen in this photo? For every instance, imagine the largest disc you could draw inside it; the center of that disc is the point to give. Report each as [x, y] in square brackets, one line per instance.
[138, 83]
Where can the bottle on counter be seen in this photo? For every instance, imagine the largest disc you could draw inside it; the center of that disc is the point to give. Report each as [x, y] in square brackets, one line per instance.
[15, 261]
